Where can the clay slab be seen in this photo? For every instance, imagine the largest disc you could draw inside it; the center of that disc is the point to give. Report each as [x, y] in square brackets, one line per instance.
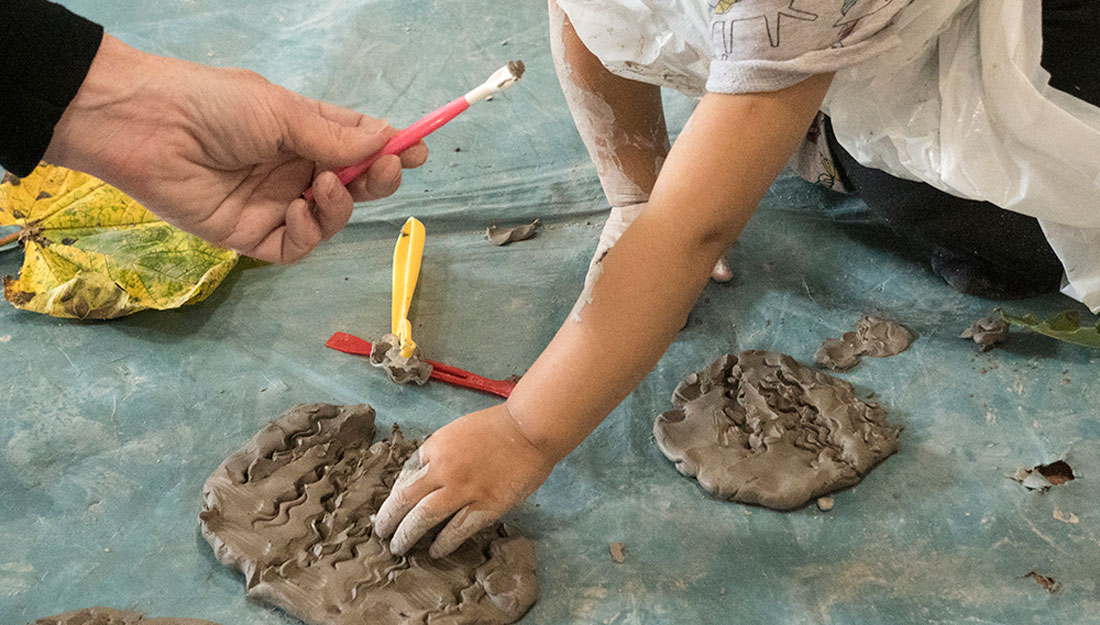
[110, 616]
[759, 428]
[293, 511]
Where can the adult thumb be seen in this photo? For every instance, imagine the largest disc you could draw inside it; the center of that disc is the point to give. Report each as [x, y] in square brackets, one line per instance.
[330, 135]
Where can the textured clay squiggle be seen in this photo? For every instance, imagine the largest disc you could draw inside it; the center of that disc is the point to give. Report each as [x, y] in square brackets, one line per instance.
[760, 428]
[386, 354]
[294, 511]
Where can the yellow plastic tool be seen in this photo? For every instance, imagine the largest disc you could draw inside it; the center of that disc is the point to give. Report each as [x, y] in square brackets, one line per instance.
[406, 271]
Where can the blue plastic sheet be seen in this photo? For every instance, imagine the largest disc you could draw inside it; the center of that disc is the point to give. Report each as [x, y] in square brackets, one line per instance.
[108, 430]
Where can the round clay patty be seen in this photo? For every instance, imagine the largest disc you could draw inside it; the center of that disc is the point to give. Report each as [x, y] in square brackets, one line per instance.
[760, 428]
[293, 510]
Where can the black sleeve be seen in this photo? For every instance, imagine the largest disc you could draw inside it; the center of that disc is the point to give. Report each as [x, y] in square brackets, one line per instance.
[45, 53]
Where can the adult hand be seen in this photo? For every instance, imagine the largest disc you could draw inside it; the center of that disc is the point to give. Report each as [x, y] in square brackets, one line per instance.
[472, 471]
[223, 153]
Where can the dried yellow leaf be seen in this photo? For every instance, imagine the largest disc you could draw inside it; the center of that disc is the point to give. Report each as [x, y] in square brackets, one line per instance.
[93, 252]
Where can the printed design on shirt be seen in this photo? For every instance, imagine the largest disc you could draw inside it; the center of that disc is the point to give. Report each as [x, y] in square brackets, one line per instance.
[825, 170]
[738, 24]
[850, 15]
[723, 5]
[814, 162]
[742, 23]
[829, 177]
[854, 10]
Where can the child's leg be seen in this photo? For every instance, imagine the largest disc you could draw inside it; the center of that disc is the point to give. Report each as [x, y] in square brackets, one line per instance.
[977, 247]
[622, 124]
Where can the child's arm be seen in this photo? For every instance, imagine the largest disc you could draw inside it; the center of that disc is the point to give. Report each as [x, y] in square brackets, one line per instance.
[481, 465]
[621, 122]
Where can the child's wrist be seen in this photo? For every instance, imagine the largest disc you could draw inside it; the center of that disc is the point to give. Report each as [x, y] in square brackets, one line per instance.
[551, 446]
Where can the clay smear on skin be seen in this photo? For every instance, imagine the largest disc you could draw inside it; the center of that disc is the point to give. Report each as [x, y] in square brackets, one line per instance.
[111, 616]
[595, 118]
[294, 509]
[586, 295]
[759, 428]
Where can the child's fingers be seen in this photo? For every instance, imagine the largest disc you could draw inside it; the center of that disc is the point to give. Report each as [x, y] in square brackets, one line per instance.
[462, 526]
[409, 488]
[429, 512]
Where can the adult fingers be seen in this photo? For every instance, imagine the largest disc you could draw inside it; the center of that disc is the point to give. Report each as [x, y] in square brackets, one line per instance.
[381, 180]
[292, 241]
[349, 117]
[309, 131]
[334, 204]
[462, 526]
[409, 488]
[414, 156]
[431, 511]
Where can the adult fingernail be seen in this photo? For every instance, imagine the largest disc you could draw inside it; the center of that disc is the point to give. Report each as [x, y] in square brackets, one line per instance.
[333, 187]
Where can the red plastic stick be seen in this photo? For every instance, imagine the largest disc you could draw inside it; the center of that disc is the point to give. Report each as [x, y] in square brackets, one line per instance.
[351, 344]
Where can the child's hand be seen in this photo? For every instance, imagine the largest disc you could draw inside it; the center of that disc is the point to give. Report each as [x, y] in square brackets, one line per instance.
[476, 469]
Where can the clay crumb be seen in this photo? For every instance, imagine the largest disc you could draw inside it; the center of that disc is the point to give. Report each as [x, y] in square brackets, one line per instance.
[617, 552]
[503, 236]
[1066, 517]
[873, 336]
[825, 503]
[1049, 584]
[1043, 476]
[987, 332]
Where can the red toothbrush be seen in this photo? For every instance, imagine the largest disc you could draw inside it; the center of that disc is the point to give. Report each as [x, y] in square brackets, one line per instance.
[351, 344]
[501, 79]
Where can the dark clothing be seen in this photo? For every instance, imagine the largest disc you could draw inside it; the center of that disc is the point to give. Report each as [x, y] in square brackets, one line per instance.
[977, 247]
[45, 53]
